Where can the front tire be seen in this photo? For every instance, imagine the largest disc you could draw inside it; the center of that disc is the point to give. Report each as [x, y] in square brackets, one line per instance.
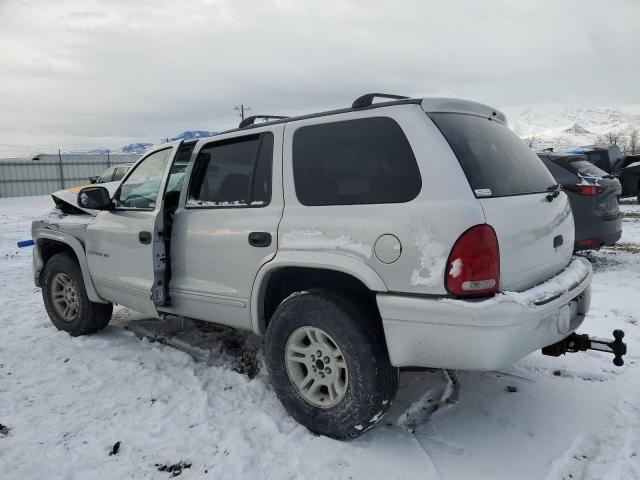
[328, 362]
[66, 300]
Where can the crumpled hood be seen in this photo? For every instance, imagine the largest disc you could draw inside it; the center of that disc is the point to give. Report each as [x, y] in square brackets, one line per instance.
[67, 200]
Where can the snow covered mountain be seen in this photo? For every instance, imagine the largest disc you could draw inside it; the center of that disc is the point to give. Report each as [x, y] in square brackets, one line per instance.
[564, 127]
[133, 148]
[141, 147]
[189, 134]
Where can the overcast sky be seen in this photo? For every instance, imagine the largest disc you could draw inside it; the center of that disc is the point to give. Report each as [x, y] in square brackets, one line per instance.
[98, 73]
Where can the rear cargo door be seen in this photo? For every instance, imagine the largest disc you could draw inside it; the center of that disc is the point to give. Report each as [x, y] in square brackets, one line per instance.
[535, 237]
[532, 220]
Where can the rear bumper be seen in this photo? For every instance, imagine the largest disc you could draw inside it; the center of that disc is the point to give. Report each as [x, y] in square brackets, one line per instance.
[487, 334]
[597, 242]
[594, 233]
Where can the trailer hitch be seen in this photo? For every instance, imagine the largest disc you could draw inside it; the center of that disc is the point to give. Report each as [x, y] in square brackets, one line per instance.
[581, 343]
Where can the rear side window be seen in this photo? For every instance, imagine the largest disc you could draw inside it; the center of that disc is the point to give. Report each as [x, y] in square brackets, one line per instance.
[233, 173]
[559, 173]
[495, 160]
[352, 162]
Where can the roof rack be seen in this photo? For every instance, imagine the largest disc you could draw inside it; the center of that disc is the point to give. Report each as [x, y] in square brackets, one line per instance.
[251, 120]
[367, 99]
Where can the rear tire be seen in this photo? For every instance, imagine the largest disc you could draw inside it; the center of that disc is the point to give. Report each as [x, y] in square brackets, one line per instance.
[358, 383]
[66, 300]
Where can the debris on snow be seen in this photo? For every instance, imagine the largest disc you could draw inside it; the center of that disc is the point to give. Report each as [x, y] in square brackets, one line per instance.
[115, 449]
[174, 469]
[4, 430]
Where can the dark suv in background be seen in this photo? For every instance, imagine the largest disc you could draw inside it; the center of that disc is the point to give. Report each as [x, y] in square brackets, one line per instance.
[630, 176]
[593, 194]
[610, 159]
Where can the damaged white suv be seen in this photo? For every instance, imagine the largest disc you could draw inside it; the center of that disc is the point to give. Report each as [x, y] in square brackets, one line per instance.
[411, 232]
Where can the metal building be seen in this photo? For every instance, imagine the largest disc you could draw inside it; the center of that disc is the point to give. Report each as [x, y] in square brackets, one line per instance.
[46, 173]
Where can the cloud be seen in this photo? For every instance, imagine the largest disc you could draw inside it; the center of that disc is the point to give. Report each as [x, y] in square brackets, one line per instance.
[146, 69]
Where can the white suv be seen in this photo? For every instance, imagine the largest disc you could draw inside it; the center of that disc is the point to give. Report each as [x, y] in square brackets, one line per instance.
[412, 232]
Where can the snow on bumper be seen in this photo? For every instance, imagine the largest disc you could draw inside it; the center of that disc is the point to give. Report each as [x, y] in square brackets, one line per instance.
[485, 334]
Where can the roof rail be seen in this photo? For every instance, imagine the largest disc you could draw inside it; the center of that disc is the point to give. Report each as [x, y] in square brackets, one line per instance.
[367, 99]
[251, 120]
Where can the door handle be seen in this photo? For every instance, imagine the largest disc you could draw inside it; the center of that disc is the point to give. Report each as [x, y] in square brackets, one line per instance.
[259, 239]
[144, 238]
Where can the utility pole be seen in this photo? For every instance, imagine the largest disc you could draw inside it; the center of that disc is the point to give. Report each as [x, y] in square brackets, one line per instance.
[61, 170]
[241, 108]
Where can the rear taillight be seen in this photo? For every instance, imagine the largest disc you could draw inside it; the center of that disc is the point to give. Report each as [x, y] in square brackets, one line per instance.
[473, 268]
[587, 243]
[584, 189]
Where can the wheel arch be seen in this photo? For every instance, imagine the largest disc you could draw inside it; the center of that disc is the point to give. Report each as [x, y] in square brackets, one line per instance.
[49, 243]
[294, 271]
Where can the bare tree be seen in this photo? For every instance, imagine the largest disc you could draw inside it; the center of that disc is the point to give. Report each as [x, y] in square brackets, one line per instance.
[531, 141]
[615, 138]
[633, 142]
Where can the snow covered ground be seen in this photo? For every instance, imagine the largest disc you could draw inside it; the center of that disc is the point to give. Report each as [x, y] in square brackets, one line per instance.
[65, 402]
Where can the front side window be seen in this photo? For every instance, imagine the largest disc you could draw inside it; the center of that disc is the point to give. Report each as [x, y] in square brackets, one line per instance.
[179, 168]
[233, 173]
[353, 162]
[140, 189]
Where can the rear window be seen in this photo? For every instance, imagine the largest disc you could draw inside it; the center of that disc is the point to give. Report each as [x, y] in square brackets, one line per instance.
[587, 169]
[598, 159]
[361, 161]
[495, 160]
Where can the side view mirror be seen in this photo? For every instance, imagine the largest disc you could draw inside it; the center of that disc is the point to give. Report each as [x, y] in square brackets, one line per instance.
[93, 179]
[96, 198]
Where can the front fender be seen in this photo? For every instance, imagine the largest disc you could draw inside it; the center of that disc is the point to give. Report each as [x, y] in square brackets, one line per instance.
[40, 235]
[309, 259]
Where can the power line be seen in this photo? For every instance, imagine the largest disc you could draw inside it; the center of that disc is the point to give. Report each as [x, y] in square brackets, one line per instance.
[96, 113]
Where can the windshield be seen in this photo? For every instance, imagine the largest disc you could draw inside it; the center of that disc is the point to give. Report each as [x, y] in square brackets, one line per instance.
[106, 175]
[495, 160]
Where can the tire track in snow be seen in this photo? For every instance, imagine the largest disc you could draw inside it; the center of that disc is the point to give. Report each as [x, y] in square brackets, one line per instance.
[611, 454]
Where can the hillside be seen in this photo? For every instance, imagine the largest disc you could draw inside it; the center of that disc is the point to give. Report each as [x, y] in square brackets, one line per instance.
[563, 127]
